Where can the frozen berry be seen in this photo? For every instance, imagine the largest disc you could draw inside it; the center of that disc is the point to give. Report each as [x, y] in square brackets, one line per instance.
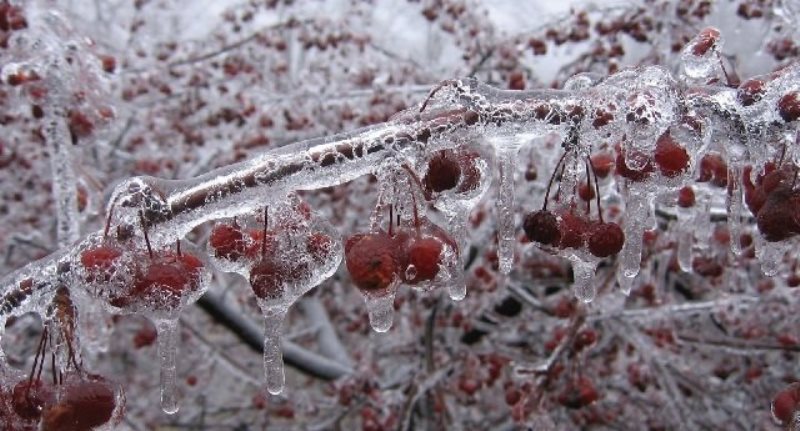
[578, 393]
[785, 404]
[443, 173]
[789, 106]
[777, 220]
[602, 164]
[634, 165]
[670, 157]
[573, 231]
[705, 41]
[99, 262]
[606, 239]
[542, 226]
[227, 241]
[84, 405]
[713, 168]
[319, 246]
[269, 277]
[167, 278]
[30, 397]
[372, 262]
[425, 254]
[750, 92]
[686, 197]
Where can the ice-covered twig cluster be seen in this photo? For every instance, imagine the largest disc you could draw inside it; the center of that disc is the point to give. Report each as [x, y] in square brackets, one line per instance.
[698, 135]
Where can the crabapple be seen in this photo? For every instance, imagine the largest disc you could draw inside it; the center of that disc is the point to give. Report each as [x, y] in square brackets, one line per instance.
[789, 106]
[83, 405]
[166, 279]
[227, 241]
[785, 404]
[670, 157]
[372, 261]
[606, 239]
[542, 226]
[30, 397]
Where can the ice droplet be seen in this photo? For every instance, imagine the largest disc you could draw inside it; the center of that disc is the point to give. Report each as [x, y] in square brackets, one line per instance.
[381, 311]
[735, 207]
[505, 209]
[583, 287]
[411, 272]
[167, 352]
[458, 289]
[273, 356]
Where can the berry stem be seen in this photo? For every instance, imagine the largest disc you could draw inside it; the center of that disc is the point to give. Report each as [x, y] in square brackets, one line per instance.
[146, 238]
[178, 247]
[264, 239]
[552, 178]
[588, 188]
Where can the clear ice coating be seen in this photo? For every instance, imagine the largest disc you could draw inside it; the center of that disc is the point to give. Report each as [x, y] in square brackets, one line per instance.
[168, 338]
[636, 212]
[273, 356]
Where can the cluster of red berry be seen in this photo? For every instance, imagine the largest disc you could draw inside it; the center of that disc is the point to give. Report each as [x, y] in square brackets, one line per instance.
[160, 282]
[569, 229]
[774, 200]
[279, 261]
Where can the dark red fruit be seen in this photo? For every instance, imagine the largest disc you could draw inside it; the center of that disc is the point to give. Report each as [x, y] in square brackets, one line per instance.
[578, 393]
[254, 250]
[750, 92]
[269, 277]
[372, 261]
[443, 172]
[319, 246]
[426, 255]
[686, 197]
[167, 278]
[777, 219]
[30, 398]
[542, 226]
[99, 262]
[228, 242]
[573, 231]
[84, 405]
[789, 106]
[670, 157]
[713, 168]
[705, 41]
[625, 161]
[606, 239]
[785, 404]
[602, 164]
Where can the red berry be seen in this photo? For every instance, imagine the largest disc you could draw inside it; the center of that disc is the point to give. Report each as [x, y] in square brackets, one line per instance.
[789, 106]
[750, 92]
[578, 393]
[84, 405]
[777, 219]
[319, 246]
[270, 277]
[167, 279]
[671, 158]
[686, 197]
[109, 63]
[785, 404]
[625, 161]
[705, 41]
[542, 226]
[426, 255]
[443, 172]
[227, 241]
[584, 339]
[573, 231]
[713, 168]
[602, 164]
[254, 250]
[372, 261]
[99, 262]
[30, 398]
[606, 239]
[145, 336]
[586, 192]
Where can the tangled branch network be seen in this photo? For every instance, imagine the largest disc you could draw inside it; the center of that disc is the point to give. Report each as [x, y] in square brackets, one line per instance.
[632, 146]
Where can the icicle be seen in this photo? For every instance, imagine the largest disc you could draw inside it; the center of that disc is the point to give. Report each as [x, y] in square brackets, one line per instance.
[167, 352]
[458, 289]
[65, 193]
[685, 230]
[633, 226]
[583, 287]
[735, 206]
[273, 356]
[505, 208]
[381, 311]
